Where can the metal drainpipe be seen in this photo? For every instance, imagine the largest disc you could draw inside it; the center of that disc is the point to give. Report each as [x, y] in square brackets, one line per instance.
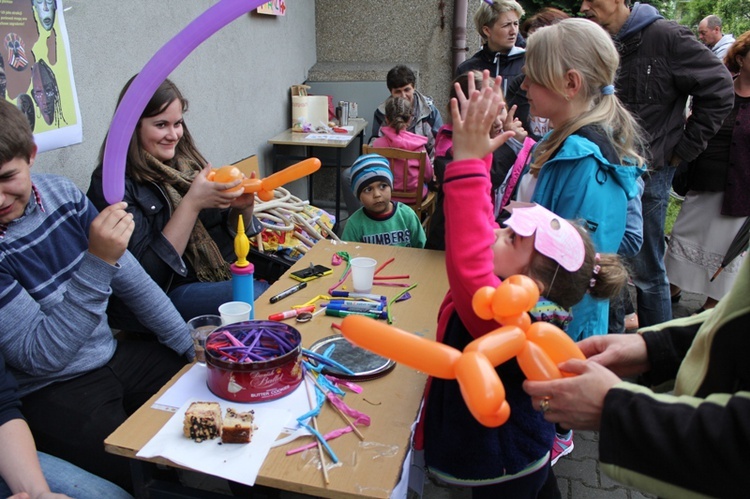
[460, 13]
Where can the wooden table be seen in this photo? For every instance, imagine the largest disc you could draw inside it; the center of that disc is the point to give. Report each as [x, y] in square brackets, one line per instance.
[289, 138]
[391, 401]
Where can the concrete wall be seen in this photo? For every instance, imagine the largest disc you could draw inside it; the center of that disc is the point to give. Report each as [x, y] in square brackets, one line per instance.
[358, 42]
[237, 82]
[361, 41]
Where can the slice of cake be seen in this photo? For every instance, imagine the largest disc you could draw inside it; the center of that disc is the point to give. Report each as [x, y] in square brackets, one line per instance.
[202, 421]
[237, 427]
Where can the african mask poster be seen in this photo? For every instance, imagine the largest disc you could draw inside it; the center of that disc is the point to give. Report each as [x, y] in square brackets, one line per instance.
[36, 73]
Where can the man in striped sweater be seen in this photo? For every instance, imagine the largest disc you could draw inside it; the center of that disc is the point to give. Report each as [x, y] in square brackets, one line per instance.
[59, 263]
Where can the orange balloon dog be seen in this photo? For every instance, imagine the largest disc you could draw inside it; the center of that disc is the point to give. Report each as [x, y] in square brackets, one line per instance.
[538, 348]
[264, 188]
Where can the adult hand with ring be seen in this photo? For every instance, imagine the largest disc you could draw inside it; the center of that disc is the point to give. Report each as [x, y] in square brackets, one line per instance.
[578, 399]
[544, 405]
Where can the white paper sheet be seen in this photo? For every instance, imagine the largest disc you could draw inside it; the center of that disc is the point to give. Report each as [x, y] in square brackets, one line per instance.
[329, 137]
[236, 462]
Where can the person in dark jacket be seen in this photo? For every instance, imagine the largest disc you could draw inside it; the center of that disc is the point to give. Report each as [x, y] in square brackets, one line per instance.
[661, 65]
[717, 202]
[425, 121]
[184, 223]
[497, 23]
[687, 444]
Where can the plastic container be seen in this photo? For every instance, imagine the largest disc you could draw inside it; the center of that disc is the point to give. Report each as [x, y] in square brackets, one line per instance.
[243, 285]
[258, 381]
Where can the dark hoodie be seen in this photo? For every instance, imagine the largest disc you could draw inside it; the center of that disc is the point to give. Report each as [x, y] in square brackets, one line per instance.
[506, 65]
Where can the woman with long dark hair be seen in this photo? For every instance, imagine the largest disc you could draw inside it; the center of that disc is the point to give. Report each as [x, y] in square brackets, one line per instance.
[185, 223]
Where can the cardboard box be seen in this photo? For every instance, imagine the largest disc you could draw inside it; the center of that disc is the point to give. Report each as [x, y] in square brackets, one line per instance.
[308, 111]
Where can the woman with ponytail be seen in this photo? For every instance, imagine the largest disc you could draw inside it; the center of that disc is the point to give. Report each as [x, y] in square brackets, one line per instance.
[587, 167]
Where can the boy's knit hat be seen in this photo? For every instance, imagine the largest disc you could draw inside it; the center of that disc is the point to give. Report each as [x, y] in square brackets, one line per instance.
[367, 169]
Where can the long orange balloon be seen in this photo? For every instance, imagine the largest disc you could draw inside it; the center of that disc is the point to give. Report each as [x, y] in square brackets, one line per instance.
[480, 385]
[290, 173]
[266, 186]
[430, 357]
[227, 174]
[556, 344]
[500, 345]
[536, 364]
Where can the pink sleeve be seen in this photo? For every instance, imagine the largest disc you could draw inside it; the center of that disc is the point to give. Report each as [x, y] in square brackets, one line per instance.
[469, 235]
[381, 141]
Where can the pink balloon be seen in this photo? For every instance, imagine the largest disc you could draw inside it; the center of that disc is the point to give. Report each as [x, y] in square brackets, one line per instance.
[148, 80]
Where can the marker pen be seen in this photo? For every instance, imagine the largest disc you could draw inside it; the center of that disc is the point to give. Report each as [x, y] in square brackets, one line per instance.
[353, 309]
[287, 292]
[354, 305]
[290, 313]
[344, 313]
[347, 294]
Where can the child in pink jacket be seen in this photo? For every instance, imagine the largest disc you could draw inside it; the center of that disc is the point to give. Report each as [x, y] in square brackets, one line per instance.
[395, 134]
[512, 460]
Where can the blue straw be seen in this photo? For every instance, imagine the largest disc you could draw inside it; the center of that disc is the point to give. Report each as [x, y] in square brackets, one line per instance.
[330, 362]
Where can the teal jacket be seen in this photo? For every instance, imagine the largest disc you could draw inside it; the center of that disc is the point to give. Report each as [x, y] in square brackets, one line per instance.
[584, 182]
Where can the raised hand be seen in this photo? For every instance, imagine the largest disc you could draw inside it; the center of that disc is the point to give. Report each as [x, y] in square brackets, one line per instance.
[513, 124]
[472, 123]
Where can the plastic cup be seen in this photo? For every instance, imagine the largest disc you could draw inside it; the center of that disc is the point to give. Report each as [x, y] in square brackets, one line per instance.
[363, 272]
[234, 311]
[200, 327]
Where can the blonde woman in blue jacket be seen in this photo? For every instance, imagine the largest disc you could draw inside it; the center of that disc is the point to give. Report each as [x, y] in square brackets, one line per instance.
[587, 167]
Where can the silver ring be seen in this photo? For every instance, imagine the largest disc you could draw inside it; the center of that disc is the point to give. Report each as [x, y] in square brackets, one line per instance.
[544, 405]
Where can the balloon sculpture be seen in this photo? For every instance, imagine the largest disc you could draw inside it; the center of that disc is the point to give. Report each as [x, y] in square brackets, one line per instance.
[538, 347]
[264, 188]
[148, 80]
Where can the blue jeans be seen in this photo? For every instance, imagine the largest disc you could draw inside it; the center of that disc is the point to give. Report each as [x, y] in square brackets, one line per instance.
[65, 478]
[648, 271]
[201, 298]
[190, 300]
[70, 419]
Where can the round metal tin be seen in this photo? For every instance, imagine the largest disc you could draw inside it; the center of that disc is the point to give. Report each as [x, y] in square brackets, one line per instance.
[366, 365]
[255, 381]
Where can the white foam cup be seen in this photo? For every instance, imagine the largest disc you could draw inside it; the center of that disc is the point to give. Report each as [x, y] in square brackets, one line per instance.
[234, 311]
[363, 273]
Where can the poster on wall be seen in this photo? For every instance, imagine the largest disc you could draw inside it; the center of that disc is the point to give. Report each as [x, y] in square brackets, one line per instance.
[36, 73]
[273, 8]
